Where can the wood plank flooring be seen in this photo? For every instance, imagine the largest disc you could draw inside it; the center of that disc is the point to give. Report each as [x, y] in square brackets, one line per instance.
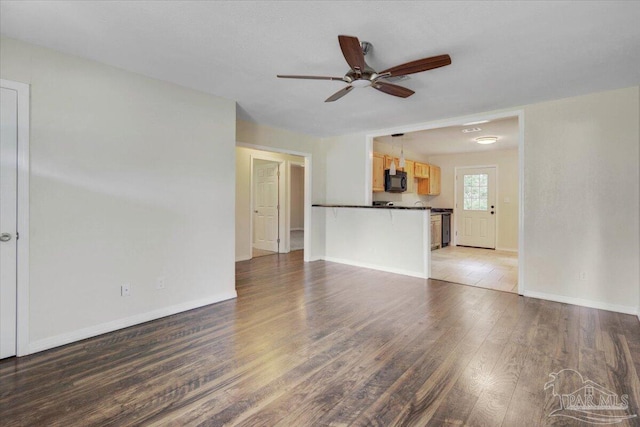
[323, 344]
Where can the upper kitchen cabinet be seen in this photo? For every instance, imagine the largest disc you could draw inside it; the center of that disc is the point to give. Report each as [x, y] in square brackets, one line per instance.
[378, 172]
[388, 159]
[409, 168]
[430, 186]
[421, 170]
[434, 180]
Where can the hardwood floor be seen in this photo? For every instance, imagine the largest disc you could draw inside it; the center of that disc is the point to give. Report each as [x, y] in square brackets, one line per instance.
[321, 344]
[484, 268]
[261, 252]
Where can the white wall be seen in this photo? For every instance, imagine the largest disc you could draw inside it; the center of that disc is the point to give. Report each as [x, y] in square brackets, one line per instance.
[582, 198]
[130, 181]
[345, 170]
[507, 183]
[243, 196]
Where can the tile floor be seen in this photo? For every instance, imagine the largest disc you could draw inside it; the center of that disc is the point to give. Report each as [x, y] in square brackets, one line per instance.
[483, 268]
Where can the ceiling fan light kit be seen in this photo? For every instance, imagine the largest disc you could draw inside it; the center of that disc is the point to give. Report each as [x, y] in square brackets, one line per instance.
[360, 74]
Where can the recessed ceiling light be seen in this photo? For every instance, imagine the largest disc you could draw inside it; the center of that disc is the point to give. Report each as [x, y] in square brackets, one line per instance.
[468, 130]
[487, 139]
[475, 123]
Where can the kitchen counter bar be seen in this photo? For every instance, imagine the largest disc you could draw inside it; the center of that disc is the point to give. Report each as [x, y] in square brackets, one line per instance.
[416, 208]
[388, 238]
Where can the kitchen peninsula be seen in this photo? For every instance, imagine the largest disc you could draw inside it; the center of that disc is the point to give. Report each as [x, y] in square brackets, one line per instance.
[388, 238]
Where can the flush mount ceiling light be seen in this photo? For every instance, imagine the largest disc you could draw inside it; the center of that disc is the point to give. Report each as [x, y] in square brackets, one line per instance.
[479, 122]
[468, 130]
[487, 139]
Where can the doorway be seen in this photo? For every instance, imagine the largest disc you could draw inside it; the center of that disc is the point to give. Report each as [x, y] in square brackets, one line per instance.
[248, 158]
[451, 147]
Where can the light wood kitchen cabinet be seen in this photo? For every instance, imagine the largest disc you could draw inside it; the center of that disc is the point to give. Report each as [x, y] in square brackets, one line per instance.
[421, 170]
[409, 168]
[434, 180]
[436, 232]
[431, 185]
[378, 172]
[423, 186]
[387, 162]
[418, 174]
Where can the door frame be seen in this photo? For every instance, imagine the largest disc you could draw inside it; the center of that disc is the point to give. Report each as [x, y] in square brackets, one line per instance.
[22, 294]
[458, 121]
[307, 187]
[291, 165]
[455, 198]
[281, 180]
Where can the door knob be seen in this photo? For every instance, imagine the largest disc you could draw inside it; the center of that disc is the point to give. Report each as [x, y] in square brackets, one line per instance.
[5, 237]
[491, 212]
[255, 211]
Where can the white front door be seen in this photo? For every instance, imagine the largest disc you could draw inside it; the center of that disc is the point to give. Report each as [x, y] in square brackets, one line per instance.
[475, 207]
[265, 207]
[8, 220]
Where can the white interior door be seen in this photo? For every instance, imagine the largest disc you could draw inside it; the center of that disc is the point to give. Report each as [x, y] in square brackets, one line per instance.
[265, 206]
[8, 220]
[475, 207]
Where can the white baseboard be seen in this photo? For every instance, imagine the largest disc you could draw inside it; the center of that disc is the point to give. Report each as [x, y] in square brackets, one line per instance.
[506, 249]
[244, 257]
[377, 267]
[92, 331]
[584, 302]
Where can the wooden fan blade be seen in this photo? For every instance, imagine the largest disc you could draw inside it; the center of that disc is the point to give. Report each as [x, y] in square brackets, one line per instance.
[418, 66]
[394, 90]
[339, 94]
[352, 51]
[309, 77]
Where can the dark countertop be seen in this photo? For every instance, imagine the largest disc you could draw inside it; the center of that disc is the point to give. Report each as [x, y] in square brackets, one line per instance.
[413, 208]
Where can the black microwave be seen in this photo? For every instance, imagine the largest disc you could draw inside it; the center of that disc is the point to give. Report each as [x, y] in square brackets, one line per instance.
[395, 183]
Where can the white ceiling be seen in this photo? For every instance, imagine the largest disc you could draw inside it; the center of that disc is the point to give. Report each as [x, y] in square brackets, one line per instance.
[451, 139]
[504, 54]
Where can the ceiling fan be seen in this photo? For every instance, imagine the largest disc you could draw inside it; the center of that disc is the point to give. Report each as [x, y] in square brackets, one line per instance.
[362, 75]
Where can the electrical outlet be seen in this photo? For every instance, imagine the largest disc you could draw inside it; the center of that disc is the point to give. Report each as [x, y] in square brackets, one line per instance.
[125, 290]
[160, 283]
[583, 275]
